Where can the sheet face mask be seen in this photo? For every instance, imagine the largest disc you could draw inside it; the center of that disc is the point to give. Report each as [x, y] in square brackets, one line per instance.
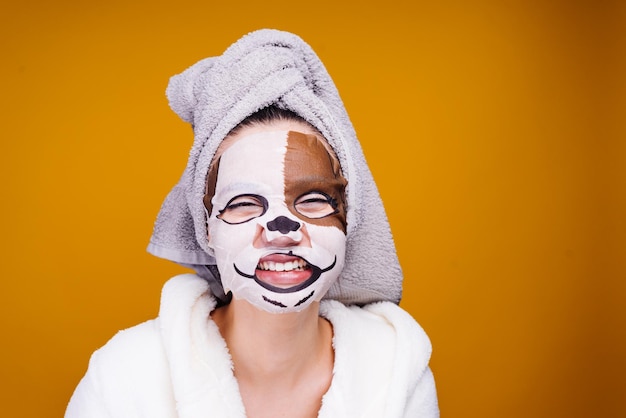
[277, 219]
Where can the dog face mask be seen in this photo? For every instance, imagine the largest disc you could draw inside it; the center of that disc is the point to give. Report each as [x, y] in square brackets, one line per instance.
[277, 219]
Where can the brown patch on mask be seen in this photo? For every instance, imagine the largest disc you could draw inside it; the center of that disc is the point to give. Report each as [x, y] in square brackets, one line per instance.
[309, 167]
[211, 183]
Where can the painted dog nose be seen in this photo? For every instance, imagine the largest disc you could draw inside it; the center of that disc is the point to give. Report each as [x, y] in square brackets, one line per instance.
[283, 224]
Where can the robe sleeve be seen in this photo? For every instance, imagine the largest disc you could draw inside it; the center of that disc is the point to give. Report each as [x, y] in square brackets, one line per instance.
[128, 377]
[423, 402]
[87, 400]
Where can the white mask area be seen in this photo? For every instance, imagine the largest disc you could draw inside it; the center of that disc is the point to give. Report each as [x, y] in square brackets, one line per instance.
[277, 219]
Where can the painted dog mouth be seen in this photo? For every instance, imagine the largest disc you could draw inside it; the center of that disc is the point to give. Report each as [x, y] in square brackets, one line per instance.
[282, 262]
[285, 273]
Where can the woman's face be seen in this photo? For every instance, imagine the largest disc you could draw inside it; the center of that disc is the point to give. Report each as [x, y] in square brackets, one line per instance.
[277, 217]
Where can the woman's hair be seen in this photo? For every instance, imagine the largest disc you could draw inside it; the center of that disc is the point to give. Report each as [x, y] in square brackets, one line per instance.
[269, 114]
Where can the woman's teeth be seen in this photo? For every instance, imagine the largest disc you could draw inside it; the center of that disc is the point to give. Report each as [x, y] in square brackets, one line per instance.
[297, 265]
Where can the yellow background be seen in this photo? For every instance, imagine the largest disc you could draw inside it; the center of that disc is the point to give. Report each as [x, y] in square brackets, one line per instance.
[495, 131]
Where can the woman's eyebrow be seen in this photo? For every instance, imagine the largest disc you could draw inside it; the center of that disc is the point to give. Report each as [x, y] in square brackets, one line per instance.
[314, 180]
[238, 187]
[244, 187]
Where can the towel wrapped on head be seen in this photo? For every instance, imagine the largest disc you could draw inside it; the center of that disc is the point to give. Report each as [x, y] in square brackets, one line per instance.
[270, 67]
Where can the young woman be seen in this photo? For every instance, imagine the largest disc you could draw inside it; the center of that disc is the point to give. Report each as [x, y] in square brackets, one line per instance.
[293, 309]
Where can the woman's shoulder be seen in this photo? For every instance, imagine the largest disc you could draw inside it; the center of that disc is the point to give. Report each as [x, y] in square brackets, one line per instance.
[126, 347]
[380, 330]
[134, 358]
[378, 322]
[381, 359]
[145, 339]
[132, 370]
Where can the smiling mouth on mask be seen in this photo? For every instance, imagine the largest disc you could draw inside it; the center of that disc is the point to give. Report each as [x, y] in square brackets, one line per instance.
[285, 273]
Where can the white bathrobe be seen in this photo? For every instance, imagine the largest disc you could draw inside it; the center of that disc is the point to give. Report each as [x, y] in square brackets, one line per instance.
[178, 365]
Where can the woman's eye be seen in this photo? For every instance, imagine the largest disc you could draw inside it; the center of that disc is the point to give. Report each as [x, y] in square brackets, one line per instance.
[243, 208]
[315, 205]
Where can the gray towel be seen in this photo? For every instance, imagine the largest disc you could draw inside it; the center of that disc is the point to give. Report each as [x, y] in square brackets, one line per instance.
[270, 67]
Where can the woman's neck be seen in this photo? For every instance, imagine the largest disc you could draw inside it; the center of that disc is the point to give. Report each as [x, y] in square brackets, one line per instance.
[266, 346]
[283, 362]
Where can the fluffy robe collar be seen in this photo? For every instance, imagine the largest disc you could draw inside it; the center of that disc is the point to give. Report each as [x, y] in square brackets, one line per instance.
[378, 350]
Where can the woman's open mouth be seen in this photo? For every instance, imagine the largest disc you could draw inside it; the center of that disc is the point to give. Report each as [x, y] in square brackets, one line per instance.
[285, 273]
[283, 270]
